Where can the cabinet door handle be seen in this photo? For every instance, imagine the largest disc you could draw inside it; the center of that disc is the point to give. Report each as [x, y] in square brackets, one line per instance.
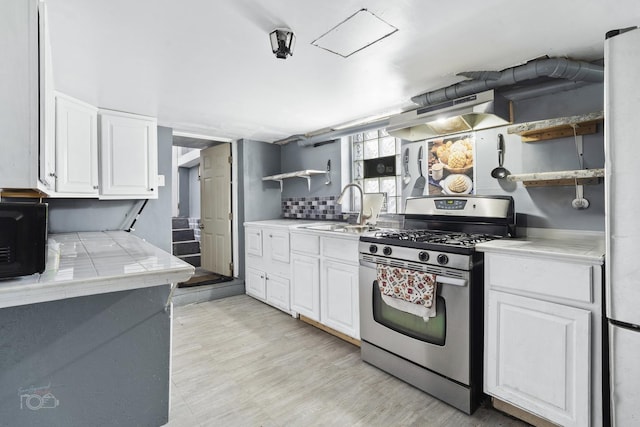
[151, 189]
[95, 187]
[270, 235]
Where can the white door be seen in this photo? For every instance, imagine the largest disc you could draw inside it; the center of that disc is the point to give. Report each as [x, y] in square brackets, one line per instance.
[622, 103]
[76, 146]
[215, 209]
[537, 357]
[625, 375]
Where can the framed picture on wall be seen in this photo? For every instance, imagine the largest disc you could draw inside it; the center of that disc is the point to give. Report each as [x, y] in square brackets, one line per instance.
[451, 161]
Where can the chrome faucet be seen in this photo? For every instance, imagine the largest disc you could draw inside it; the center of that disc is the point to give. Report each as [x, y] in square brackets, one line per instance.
[361, 216]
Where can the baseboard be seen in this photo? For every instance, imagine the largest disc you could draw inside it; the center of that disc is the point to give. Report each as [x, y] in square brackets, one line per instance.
[197, 294]
[331, 331]
[520, 414]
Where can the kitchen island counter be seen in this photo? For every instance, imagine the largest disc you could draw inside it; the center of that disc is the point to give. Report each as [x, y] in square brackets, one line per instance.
[88, 341]
[90, 263]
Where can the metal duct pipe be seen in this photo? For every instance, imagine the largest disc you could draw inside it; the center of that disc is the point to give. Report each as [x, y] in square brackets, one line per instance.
[540, 90]
[559, 68]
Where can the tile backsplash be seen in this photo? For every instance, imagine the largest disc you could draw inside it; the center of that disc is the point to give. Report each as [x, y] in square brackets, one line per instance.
[324, 207]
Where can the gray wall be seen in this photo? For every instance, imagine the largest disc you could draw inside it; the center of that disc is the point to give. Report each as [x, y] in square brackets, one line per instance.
[544, 207]
[547, 207]
[105, 358]
[154, 224]
[194, 192]
[295, 157]
[258, 199]
[183, 193]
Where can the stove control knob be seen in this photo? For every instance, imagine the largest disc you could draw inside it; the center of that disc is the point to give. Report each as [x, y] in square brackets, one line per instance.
[373, 249]
[386, 250]
[423, 256]
[443, 259]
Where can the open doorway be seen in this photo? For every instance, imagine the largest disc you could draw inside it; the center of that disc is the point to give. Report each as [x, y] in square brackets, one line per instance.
[201, 206]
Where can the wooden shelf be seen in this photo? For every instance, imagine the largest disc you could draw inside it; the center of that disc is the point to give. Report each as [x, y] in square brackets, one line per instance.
[306, 174]
[22, 193]
[558, 128]
[571, 177]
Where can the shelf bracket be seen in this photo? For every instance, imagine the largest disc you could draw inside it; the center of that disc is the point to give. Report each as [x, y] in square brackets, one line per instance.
[308, 178]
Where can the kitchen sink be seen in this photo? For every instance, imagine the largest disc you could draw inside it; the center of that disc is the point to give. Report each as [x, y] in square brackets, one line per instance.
[341, 228]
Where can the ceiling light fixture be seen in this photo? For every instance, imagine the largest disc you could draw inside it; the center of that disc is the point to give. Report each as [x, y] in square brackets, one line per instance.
[282, 42]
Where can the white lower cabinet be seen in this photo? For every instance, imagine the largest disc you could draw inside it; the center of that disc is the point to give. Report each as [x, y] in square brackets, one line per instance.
[543, 337]
[339, 308]
[538, 357]
[324, 276]
[277, 289]
[267, 264]
[305, 292]
[255, 283]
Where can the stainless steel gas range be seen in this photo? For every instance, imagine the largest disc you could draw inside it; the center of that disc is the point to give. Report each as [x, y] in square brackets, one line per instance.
[442, 355]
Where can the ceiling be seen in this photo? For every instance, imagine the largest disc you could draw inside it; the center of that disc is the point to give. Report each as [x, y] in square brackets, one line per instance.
[206, 66]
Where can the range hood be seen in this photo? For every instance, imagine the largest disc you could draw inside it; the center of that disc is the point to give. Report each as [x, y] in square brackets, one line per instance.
[478, 111]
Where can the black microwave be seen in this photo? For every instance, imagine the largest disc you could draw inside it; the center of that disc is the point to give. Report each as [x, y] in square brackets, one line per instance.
[23, 238]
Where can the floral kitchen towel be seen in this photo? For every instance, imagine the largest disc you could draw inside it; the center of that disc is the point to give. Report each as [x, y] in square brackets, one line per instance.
[408, 290]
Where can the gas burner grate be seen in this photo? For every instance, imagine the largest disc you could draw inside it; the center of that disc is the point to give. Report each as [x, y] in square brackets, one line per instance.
[437, 237]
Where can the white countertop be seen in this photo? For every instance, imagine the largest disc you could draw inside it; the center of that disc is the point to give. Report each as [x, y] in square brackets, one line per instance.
[282, 223]
[90, 263]
[299, 226]
[586, 248]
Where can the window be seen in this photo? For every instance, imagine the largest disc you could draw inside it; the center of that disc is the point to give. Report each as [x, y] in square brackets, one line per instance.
[376, 167]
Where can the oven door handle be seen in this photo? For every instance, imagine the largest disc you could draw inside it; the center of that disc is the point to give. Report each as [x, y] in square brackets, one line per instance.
[368, 264]
[451, 281]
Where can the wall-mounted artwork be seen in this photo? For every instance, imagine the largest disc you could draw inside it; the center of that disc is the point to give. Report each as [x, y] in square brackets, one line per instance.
[451, 162]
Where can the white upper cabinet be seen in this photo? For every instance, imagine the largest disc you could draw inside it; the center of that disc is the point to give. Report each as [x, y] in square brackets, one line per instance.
[128, 155]
[26, 88]
[47, 171]
[76, 147]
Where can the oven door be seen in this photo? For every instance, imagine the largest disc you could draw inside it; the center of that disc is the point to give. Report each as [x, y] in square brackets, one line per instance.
[440, 345]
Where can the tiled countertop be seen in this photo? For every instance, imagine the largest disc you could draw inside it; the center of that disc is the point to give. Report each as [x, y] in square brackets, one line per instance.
[89, 263]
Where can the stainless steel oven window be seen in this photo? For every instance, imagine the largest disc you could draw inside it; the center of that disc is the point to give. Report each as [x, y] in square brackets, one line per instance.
[434, 331]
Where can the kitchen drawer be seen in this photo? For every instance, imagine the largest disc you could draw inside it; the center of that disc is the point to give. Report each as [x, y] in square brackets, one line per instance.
[345, 250]
[540, 276]
[305, 243]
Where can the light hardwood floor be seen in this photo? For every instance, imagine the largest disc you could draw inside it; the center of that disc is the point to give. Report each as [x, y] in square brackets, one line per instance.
[239, 362]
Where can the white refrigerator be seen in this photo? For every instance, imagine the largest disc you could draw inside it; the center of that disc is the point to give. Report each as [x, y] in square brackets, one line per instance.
[622, 207]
